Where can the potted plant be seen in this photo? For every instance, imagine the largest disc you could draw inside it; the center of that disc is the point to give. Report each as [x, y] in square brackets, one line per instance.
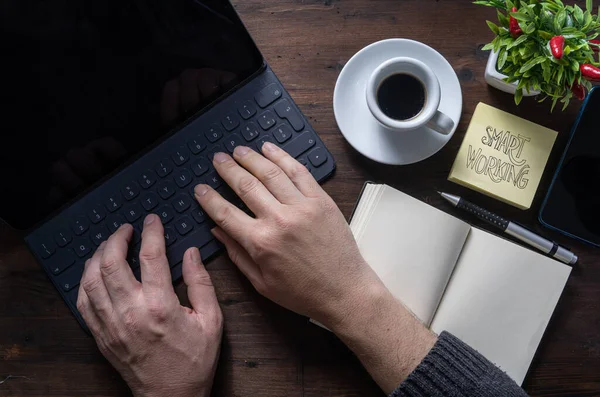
[543, 47]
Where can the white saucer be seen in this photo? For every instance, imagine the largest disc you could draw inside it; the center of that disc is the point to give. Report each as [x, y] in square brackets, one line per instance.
[362, 130]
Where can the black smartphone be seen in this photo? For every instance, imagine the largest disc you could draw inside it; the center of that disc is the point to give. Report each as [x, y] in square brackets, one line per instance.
[572, 205]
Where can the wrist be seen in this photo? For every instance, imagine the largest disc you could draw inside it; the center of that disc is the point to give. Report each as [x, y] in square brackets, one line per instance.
[360, 301]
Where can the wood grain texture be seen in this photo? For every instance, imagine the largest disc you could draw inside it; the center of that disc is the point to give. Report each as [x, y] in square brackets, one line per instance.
[266, 350]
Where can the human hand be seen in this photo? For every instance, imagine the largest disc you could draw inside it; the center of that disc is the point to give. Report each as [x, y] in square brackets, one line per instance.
[159, 347]
[299, 250]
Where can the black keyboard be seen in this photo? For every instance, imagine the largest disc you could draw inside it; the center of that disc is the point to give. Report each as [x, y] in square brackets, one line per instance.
[163, 180]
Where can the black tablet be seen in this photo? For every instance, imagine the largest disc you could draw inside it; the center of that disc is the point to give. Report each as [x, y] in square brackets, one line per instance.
[572, 205]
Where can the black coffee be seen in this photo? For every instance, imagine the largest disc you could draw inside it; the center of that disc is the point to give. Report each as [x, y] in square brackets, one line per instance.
[401, 96]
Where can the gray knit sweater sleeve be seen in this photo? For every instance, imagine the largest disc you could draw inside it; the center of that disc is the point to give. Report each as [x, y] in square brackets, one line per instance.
[454, 369]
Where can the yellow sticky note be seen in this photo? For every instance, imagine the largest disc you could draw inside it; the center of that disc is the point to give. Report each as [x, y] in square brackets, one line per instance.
[503, 156]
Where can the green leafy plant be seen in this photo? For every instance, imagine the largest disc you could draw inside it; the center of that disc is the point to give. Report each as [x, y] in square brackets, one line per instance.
[528, 42]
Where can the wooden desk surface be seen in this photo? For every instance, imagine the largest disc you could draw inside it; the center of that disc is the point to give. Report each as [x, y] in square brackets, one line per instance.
[266, 350]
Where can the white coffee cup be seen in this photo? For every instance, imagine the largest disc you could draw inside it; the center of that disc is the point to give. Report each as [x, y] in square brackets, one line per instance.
[429, 115]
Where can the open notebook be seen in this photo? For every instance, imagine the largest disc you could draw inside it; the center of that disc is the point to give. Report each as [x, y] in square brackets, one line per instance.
[494, 295]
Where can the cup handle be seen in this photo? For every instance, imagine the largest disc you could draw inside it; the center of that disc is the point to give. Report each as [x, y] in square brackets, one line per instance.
[441, 123]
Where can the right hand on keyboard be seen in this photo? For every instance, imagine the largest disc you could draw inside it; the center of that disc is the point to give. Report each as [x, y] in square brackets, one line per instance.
[298, 250]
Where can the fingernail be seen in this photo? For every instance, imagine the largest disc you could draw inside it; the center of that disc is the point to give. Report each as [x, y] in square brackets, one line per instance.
[102, 245]
[268, 146]
[220, 157]
[195, 255]
[87, 263]
[149, 219]
[241, 150]
[201, 190]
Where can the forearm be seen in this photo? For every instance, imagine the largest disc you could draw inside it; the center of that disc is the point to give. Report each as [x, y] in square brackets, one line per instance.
[386, 337]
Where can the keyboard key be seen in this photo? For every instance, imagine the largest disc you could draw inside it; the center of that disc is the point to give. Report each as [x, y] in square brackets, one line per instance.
[46, 248]
[196, 145]
[181, 203]
[213, 150]
[262, 140]
[147, 179]
[183, 178]
[96, 214]
[62, 237]
[133, 212]
[130, 191]
[286, 111]
[114, 222]
[71, 278]
[133, 257]
[80, 225]
[317, 157]
[165, 213]
[214, 180]
[137, 232]
[198, 215]
[230, 122]
[268, 95]
[232, 141]
[250, 132]
[61, 261]
[184, 225]
[82, 246]
[282, 133]
[181, 156]
[164, 168]
[113, 203]
[301, 144]
[200, 167]
[198, 238]
[170, 236]
[247, 110]
[166, 189]
[149, 200]
[213, 133]
[99, 233]
[267, 120]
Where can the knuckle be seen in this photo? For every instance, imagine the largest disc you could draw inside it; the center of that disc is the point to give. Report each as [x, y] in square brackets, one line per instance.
[129, 319]
[91, 284]
[109, 266]
[271, 173]
[247, 185]
[223, 214]
[151, 252]
[158, 312]
[298, 171]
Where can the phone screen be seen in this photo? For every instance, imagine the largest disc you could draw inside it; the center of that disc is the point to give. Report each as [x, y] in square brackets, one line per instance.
[572, 205]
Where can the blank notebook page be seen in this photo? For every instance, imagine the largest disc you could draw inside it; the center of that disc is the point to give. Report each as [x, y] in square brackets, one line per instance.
[411, 246]
[500, 299]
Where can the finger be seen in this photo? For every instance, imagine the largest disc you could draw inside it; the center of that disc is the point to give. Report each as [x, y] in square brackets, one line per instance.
[93, 285]
[245, 185]
[153, 257]
[298, 173]
[229, 217]
[270, 175]
[201, 292]
[189, 95]
[116, 273]
[240, 257]
[87, 311]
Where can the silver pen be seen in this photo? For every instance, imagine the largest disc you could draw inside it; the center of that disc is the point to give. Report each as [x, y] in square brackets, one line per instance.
[527, 236]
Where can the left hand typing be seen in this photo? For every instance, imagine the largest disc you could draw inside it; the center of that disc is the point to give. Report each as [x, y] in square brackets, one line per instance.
[159, 347]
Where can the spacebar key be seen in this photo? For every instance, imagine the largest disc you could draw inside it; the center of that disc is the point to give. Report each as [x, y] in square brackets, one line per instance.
[301, 144]
[199, 238]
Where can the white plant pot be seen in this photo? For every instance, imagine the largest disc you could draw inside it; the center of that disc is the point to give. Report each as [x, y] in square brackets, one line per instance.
[495, 78]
